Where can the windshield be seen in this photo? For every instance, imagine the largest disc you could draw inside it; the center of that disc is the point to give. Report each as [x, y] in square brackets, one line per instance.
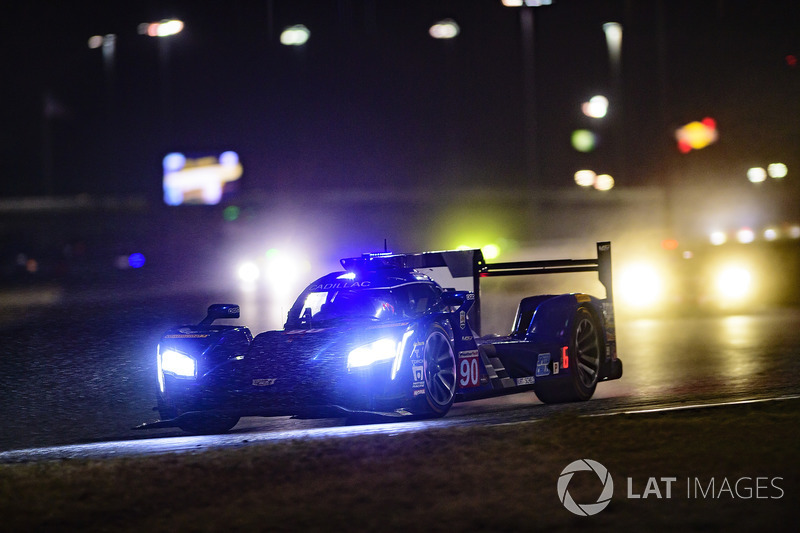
[407, 301]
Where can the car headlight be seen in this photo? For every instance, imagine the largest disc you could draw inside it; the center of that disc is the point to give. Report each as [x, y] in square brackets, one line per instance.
[380, 350]
[734, 284]
[178, 364]
[640, 286]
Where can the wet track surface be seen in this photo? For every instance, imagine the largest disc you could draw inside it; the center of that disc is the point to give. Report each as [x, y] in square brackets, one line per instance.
[81, 375]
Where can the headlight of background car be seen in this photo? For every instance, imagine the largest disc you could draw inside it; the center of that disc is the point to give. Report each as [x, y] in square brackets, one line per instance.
[640, 286]
[175, 363]
[733, 284]
[380, 350]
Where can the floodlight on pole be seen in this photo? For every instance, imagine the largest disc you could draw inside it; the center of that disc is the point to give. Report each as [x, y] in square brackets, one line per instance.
[613, 31]
[165, 28]
[444, 29]
[296, 35]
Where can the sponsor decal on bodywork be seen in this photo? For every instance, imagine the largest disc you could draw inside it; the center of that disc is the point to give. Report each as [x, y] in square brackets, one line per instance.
[543, 365]
[469, 370]
[342, 285]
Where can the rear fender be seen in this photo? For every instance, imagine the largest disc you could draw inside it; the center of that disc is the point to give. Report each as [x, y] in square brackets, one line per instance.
[553, 316]
[524, 317]
[553, 321]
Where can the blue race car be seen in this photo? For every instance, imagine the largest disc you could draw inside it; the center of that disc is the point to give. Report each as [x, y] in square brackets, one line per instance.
[383, 337]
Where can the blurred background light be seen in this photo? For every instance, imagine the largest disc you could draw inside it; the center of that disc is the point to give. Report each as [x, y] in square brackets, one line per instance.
[296, 35]
[669, 244]
[165, 28]
[529, 3]
[444, 29]
[718, 238]
[733, 284]
[777, 170]
[585, 178]
[491, 251]
[613, 31]
[583, 140]
[248, 272]
[283, 269]
[794, 232]
[756, 175]
[95, 41]
[696, 135]
[229, 158]
[202, 179]
[745, 236]
[640, 285]
[136, 260]
[174, 161]
[770, 234]
[596, 107]
[604, 182]
[231, 213]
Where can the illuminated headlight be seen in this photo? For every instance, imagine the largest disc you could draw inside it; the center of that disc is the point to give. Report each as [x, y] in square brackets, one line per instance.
[248, 272]
[178, 364]
[380, 350]
[641, 285]
[734, 284]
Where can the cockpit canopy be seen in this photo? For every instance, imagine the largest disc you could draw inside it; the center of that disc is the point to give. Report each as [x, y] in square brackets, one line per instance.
[343, 296]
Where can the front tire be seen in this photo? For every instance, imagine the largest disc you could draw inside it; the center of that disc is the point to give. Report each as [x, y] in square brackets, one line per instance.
[207, 424]
[585, 352]
[439, 372]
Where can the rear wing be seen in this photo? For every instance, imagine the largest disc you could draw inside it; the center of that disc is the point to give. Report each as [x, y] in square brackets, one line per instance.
[463, 269]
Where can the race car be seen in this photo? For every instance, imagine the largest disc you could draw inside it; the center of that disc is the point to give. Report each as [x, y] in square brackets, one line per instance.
[397, 335]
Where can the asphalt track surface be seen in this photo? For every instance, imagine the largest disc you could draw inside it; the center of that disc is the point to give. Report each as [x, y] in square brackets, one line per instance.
[78, 376]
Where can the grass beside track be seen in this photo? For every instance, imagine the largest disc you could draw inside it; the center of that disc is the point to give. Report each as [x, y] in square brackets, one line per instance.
[498, 478]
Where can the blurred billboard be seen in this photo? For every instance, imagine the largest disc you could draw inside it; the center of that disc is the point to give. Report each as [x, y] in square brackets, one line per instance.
[200, 178]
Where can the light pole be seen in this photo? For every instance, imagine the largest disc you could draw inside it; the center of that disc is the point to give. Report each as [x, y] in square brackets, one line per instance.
[613, 33]
[163, 29]
[530, 132]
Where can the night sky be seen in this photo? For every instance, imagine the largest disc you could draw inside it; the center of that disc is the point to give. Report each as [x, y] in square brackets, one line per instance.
[372, 101]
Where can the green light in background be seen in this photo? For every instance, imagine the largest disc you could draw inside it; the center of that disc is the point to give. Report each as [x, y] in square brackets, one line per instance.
[583, 140]
[490, 251]
[231, 213]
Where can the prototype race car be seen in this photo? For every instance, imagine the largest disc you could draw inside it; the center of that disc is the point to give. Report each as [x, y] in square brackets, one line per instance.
[383, 337]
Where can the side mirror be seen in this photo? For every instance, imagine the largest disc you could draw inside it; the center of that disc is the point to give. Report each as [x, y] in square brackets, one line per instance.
[217, 311]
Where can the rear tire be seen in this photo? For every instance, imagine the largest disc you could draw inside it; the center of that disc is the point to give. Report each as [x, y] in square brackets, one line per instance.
[585, 352]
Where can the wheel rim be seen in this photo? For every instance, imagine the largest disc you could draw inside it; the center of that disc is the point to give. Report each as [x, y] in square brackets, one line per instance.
[587, 346]
[440, 369]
